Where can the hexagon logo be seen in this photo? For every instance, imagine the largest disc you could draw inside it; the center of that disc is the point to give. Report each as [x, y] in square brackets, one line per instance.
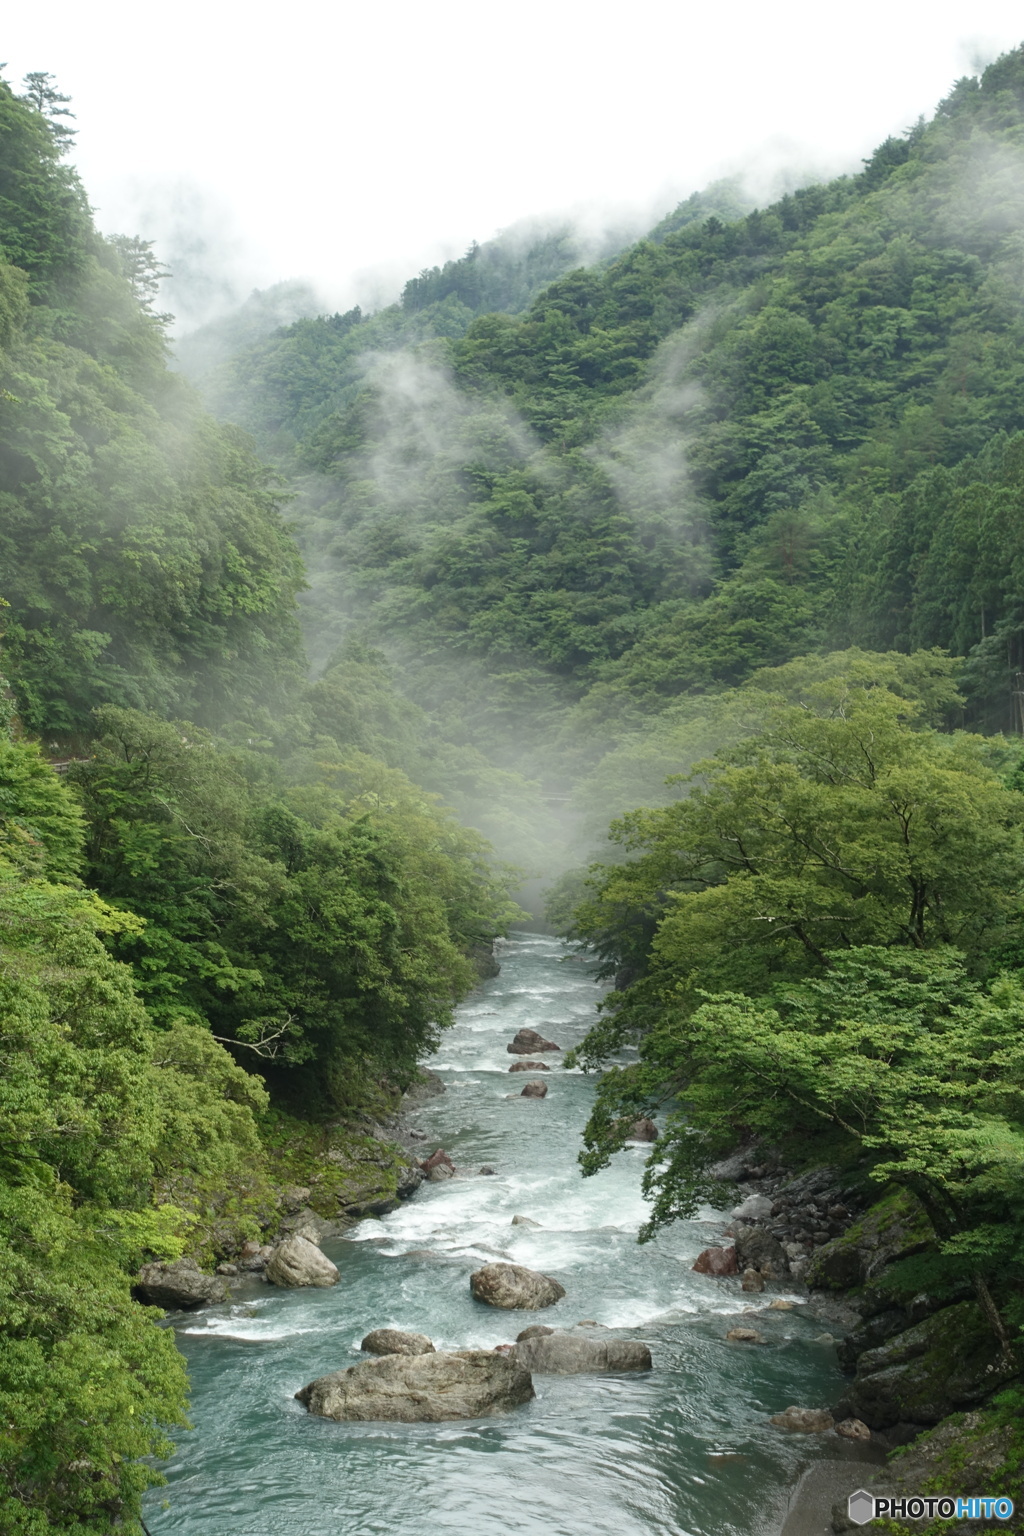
[861, 1506]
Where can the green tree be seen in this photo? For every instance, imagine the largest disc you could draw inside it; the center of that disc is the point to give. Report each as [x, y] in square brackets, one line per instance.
[900, 1055]
[140, 266]
[842, 822]
[42, 94]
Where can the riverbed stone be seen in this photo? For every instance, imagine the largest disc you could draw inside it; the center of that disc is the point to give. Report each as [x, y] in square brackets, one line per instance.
[527, 1041]
[535, 1331]
[804, 1421]
[179, 1284]
[752, 1280]
[438, 1159]
[753, 1208]
[421, 1389]
[298, 1262]
[853, 1429]
[513, 1287]
[643, 1130]
[394, 1341]
[758, 1249]
[568, 1354]
[524, 1221]
[535, 1090]
[716, 1261]
[529, 1066]
[745, 1336]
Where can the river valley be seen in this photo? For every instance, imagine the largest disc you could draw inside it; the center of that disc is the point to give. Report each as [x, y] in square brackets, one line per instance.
[684, 1450]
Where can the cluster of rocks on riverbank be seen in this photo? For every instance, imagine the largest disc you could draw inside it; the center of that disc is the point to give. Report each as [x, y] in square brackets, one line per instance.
[920, 1364]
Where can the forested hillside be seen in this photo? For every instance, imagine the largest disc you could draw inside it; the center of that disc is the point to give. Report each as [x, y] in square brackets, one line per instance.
[227, 925]
[742, 440]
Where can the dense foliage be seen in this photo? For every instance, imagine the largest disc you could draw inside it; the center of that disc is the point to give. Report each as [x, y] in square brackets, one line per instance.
[175, 906]
[820, 946]
[96, 1105]
[324, 902]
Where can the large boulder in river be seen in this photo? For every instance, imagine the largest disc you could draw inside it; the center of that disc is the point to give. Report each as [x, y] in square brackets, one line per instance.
[804, 1421]
[180, 1284]
[537, 1090]
[526, 1041]
[643, 1130]
[300, 1262]
[569, 1354]
[716, 1261]
[529, 1066]
[514, 1286]
[438, 1166]
[418, 1389]
[392, 1341]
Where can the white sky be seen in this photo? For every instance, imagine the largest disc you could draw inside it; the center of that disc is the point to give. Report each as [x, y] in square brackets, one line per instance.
[335, 141]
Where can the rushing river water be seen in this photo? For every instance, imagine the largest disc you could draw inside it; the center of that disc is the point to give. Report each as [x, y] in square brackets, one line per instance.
[684, 1450]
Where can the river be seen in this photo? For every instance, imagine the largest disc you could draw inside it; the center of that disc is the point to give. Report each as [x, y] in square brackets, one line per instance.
[684, 1450]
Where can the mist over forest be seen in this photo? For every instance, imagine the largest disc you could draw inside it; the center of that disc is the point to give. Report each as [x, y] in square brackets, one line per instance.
[665, 592]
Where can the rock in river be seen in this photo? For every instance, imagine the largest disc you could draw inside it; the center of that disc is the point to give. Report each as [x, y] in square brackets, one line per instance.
[853, 1429]
[804, 1421]
[181, 1284]
[514, 1286]
[438, 1166]
[417, 1389]
[643, 1130]
[567, 1354]
[537, 1090]
[758, 1249]
[300, 1262]
[716, 1261]
[529, 1066]
[526, 1041]
[392, 1341]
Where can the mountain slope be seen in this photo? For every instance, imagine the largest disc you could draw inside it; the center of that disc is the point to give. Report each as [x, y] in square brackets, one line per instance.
[142, 552]
[712, 454]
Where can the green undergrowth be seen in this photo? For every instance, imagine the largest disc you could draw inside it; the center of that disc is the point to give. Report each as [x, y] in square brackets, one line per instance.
[342, 1165]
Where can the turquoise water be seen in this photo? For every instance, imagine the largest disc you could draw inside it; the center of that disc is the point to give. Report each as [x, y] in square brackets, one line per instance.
[685, 1449]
